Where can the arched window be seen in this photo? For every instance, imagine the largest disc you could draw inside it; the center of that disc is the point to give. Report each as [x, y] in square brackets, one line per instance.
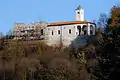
[41, 31]
[69, 31]
[84, 29]
[91, 29]
[79, 30]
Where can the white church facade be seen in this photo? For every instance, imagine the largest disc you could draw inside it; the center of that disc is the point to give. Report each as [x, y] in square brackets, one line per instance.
[66, 32]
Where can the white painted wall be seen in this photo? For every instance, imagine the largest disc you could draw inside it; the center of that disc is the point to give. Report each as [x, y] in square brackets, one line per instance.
[64, 35]
[80, 14]
[55, 38]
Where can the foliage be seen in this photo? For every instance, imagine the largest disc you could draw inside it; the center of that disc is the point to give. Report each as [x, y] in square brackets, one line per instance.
[99, 60]
[27, 60]
[109, 49]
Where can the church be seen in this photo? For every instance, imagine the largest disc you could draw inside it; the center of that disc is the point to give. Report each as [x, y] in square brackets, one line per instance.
[67, 32]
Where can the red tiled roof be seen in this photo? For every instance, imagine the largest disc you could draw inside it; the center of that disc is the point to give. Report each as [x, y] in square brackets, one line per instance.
[68, 23]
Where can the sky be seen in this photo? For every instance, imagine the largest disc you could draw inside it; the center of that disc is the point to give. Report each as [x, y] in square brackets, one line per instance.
[30, 11]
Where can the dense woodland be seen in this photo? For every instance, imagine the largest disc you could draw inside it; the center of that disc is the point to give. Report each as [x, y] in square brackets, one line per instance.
[34, 60]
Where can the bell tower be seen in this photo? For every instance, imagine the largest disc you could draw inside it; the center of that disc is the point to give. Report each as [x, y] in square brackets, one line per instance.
[79, 14]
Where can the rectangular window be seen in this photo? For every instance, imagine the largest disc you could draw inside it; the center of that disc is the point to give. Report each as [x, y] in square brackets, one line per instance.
[69, 31]
[52, 32]
[58, 31]
[41, 31]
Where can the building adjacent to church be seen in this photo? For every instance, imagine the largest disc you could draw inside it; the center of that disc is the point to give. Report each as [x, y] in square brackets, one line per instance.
[36, 30]
[60, 32]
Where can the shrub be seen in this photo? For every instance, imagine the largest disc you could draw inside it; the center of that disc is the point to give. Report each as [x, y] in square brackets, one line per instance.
[23, 60]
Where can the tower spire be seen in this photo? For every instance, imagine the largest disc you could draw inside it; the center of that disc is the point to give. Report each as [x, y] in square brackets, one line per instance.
[79, 13]
[79, 7]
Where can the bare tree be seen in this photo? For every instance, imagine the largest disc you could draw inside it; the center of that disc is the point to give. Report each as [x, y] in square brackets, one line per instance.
[1, 35]
[102, 22]
[9, 34]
